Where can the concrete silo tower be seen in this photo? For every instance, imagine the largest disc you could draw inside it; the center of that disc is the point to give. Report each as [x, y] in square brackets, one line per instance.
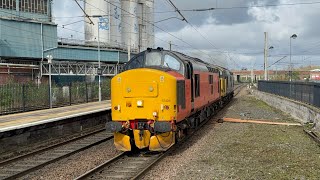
[146, 28]
[130, 27]
[106, 16]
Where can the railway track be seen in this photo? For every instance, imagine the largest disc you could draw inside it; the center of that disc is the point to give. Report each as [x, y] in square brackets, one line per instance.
[124, 166]
[27, 163]
[133, 166]
[238, 88]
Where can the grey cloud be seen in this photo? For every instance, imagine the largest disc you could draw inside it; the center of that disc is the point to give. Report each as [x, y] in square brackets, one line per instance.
[68, 8]
[235, 30]
[222, 16]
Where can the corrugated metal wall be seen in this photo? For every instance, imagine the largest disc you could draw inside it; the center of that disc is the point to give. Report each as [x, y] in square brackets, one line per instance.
[26, 9]
[85, 54]
[23, 39]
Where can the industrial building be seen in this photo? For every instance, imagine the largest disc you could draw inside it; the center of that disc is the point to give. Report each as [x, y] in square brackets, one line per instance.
[28, 35]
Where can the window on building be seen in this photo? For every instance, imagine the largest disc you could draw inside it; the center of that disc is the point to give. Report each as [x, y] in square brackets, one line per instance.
[8, 4]
[197, 84]
[33, 6]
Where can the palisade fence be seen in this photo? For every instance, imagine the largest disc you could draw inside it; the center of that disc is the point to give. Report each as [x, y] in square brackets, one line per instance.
[307, 92]
[26, 97]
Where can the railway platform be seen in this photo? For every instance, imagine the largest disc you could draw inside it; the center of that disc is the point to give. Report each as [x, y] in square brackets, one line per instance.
[34, 118]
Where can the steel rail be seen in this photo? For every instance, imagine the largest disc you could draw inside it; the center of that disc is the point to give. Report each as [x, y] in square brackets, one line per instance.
[38, 163]
[100, 167]
[4, 162]
[141, 171]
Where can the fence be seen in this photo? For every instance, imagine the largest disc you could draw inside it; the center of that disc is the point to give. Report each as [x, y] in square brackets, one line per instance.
[307, 92]
[26, 97]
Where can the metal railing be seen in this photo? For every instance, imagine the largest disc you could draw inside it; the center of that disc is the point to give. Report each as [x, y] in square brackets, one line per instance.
[16, 98]
[307, 92]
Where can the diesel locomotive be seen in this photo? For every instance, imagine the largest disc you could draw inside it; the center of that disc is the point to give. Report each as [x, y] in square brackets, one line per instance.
[161, 94]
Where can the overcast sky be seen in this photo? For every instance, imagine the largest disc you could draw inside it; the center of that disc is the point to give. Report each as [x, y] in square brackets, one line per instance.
[231, 36]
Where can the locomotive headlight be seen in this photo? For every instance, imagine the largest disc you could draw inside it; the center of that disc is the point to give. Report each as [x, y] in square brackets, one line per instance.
[155, 114]
[139, 103]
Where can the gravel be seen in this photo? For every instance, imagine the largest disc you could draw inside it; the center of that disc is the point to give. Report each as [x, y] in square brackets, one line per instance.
[77, 164]
[244, 151]
[36, 146]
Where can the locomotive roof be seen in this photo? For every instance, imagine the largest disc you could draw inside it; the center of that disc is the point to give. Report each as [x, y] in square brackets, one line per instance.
[181, 55]
[197, 63]
[194, 60]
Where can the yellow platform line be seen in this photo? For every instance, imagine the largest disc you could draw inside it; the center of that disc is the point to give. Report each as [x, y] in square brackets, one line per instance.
[32, 121]
[66, 108]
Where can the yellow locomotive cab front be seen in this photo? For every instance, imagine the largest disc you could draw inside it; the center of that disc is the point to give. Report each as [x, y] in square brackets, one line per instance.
[143, 109]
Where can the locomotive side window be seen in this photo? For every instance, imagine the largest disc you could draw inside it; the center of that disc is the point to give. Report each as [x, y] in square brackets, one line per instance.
[153, 59]
[197, 84]
[171, 62]
[210, 79]
[211, 83]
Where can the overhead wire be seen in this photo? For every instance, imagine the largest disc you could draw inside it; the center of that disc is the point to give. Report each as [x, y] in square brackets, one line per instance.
[277, 61]
[159, 28]
[184, 19]
[44, 35]
[84, 32]
[261, 6]
[264, 5]
[126, 22]
[84, 12]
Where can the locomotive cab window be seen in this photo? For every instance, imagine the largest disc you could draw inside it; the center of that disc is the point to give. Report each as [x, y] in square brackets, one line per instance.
[163, 61]
[134, 63]
[153, 59]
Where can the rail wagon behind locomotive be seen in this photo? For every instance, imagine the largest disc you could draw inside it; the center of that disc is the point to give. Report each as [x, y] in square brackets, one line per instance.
[161, 94]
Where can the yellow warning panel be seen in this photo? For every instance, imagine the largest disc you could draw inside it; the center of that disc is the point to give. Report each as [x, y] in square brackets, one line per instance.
[122, 142]
[162, 142]
[141, 141]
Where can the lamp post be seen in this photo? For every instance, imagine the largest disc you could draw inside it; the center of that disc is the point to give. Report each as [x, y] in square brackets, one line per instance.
[266, 65]
[99, 59]
[49, 57]
[265, 55]
[294, 36]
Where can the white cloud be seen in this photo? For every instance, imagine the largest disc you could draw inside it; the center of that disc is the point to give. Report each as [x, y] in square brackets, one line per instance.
[280, 23]
[238, 31]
